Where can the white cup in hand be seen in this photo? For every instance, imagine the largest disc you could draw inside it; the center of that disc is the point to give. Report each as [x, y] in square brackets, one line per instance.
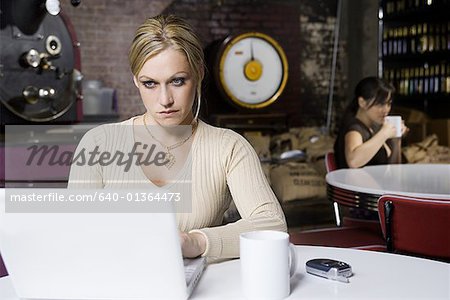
[268, 261]
[395, 121]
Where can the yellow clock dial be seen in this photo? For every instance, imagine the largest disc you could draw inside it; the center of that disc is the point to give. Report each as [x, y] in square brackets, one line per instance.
[253, 70]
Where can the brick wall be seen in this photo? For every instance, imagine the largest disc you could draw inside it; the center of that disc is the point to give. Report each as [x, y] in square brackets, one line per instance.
[105, 29]
[303, 28]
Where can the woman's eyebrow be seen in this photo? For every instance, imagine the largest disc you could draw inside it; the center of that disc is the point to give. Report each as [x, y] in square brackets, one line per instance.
[144, 78]
[181, 73]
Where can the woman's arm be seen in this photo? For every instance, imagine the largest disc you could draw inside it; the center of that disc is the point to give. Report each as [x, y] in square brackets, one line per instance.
[254, 199]
[359, 153]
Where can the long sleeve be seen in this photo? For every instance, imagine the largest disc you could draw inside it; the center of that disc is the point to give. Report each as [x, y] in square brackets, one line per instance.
[240, 169]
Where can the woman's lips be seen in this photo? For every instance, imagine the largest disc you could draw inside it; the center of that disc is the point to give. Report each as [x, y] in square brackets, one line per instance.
[168, 113]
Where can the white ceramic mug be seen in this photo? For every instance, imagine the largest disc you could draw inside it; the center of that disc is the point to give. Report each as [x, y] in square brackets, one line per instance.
[268, 261]
[395, 121]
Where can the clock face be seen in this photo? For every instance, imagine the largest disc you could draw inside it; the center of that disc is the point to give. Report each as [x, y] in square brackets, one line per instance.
[252, 69]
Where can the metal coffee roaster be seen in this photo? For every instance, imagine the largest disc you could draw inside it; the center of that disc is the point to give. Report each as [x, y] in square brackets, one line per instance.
[40, 68]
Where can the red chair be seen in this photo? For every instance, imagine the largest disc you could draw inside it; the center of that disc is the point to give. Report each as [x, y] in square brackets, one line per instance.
[330, 162]
[341, 237]
[354, 233]
[416, 226]
[3, 271]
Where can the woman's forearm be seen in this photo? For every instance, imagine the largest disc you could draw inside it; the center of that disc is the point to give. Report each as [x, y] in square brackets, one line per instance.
[360, 155]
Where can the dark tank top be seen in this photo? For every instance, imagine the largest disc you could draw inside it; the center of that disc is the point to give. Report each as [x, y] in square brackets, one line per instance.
[355, 124]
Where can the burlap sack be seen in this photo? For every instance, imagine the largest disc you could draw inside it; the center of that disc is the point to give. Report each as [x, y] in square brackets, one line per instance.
[427, 151]
[313, 141]
[295, 181]
[261, 144]
[282, 142]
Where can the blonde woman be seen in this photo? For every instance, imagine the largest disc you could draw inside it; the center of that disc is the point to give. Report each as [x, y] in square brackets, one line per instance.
[167, 63]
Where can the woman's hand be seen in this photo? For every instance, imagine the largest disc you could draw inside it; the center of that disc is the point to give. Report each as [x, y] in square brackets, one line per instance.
[405, 129]
[388, 130]
[192, 244]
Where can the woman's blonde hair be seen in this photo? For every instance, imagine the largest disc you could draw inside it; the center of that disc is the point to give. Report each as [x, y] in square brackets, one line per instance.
[159, 33]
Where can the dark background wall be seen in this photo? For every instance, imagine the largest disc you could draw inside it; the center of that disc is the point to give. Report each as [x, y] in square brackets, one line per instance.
[304, 28]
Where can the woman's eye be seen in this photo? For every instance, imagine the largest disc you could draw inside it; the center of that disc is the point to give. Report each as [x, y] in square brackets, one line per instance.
[149, 84]
[178, 81]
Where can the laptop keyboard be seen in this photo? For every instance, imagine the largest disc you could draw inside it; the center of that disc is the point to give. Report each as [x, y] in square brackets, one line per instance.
[191, 267]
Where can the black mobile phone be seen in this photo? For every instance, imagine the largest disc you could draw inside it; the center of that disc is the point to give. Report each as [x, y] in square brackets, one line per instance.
[329, 268]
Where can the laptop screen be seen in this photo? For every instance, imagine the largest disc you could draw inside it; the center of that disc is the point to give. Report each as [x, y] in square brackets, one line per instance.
[94, 256]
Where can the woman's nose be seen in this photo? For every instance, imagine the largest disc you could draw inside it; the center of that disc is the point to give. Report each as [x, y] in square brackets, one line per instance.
[165, 97]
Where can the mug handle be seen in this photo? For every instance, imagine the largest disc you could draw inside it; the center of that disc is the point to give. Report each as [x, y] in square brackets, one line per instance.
[293, 259]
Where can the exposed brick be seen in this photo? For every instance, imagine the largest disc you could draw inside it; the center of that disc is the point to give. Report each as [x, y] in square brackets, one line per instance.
[303, 28]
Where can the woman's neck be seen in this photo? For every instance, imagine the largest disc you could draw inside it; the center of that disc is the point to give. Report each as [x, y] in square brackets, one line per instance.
[361, 116]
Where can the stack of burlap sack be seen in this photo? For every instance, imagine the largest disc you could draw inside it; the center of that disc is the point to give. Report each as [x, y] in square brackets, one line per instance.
[294, 179]
[427, 151]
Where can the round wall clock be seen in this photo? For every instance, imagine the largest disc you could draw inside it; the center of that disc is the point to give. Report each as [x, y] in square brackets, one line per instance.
[251, 69]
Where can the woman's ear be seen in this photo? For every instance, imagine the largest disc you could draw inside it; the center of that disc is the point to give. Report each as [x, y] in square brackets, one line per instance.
[362, 103]
[202, 75]
[135, 81]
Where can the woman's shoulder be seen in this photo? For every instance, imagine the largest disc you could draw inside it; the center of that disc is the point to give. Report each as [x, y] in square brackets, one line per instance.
[355, 124]
[219, 134]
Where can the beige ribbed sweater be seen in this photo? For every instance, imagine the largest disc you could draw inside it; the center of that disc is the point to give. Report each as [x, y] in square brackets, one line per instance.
[225, 167]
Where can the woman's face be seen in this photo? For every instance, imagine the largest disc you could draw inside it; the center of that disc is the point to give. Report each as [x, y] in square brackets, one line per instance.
[377, 112]
[167, 87]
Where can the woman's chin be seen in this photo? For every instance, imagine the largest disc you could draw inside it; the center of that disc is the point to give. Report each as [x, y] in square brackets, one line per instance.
[169, 123]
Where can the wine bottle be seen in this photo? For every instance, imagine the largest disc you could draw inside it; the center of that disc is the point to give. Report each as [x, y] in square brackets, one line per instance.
[430, 38]
[418, 38]
[443, 87]
[385, 42]
[436, 78]
[447, 80]
[426, 79]
[431, 79]
[424, 39]
[405, 40]
[412, 39]
[406, 88]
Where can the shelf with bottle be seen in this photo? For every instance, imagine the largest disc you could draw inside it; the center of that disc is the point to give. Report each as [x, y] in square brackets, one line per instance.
[416, 40]
[421, 80]
[414, 53]
[412, 10]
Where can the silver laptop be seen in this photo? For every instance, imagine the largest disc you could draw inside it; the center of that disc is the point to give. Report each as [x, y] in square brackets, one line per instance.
[95, 256]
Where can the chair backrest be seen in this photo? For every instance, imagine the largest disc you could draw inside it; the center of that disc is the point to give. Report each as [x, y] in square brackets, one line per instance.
[416, 226]
[330, 163]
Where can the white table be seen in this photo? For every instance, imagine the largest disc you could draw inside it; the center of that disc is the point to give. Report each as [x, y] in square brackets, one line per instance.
[362, 187]
[376, 276]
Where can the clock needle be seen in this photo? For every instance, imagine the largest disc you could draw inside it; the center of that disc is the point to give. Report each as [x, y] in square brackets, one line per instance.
[251, 51]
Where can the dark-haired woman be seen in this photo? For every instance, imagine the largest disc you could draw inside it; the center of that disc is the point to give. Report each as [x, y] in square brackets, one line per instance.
[364, 138]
